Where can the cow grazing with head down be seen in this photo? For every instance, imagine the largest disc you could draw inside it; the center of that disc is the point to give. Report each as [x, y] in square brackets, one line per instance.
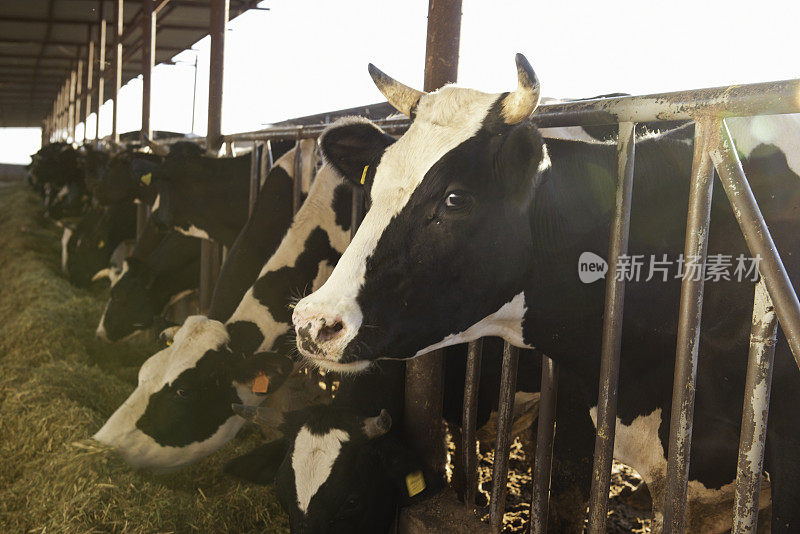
[148, 283]
[87, 249]
[181, 409]
[341, 467]
[56, 173]
[475, 228]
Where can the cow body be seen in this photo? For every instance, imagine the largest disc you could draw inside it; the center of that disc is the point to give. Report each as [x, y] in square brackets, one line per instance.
[475, 209]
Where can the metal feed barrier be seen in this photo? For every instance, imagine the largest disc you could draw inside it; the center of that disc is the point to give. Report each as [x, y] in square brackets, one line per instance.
[713, 149]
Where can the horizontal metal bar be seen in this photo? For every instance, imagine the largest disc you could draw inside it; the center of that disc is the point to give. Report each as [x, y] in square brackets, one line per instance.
[758, 238]
[766, 98]
[755, 412]
[390, 126]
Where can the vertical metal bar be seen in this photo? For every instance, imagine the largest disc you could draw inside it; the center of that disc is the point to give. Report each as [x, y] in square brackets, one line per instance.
[683, 387]
[89, 76]
[148, 59]
[442, 44]
[425, 374]
[297, 171]
[472, 380]
[758, 238]
[255, 175]
[79, 95]
[505, 420]
[71, 97]
[119, 28]
[217, 24]
[753, 437]
[612, 334]
[545, 437]
[101, 66]
[210, 263]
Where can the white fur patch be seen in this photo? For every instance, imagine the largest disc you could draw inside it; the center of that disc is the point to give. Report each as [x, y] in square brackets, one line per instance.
[193, 231]
[782, 131]
[505, 322]
[65, 237]
[316, 212]
[157, 202]
[312, 461]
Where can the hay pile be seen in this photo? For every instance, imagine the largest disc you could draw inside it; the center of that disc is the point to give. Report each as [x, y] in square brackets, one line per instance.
[58, 384]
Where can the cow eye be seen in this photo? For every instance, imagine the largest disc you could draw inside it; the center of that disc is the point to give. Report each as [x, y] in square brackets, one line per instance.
[182, 393]
[457, 200]
[351, 504]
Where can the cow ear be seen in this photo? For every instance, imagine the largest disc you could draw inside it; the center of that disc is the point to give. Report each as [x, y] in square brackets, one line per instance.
[264, 372]
[259, 465]
[521, 160]
[354, 146]
[406, 470]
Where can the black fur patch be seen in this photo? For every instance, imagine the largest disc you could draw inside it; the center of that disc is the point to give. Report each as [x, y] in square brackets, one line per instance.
[342, 206]
[276, 288]
[245, 336]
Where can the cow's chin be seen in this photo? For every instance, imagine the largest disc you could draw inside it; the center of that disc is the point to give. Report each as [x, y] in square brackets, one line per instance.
[349, 368]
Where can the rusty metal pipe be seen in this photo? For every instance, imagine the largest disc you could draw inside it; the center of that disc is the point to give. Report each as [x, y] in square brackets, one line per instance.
[691, 305]
[758, 238]
[469, 420]
[612, 333]
[755, 412]
[505, 420]
[545, 437]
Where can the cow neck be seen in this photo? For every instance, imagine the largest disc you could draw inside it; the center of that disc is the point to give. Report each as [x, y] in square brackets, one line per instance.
[572, 213]
[303, 261]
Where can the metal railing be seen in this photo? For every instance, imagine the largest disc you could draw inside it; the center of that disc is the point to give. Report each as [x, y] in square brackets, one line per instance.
[713, 149]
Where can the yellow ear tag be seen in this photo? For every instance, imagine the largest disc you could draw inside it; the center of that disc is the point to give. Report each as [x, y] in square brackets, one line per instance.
[146, 178]
[169, 342]
[415, 483]
[261, 383]
[364, 174]
[101, 244]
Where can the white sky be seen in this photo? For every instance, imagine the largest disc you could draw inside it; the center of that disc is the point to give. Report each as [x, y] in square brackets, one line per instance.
[310, 56]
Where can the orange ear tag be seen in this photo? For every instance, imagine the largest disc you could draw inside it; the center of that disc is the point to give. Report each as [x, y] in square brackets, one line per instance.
[261, 383]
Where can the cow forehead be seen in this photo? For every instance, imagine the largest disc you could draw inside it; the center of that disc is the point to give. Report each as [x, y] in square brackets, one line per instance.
[312, 461]
[197, 336]
[443, 120]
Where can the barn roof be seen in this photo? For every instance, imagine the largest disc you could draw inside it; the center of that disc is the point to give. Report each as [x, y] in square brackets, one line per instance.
[42, 40]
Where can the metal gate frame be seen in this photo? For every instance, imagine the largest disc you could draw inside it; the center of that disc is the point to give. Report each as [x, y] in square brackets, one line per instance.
[713, 149]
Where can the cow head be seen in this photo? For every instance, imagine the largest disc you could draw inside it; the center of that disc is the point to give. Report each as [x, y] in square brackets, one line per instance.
[127, 176]
[454, 190]
[132, 303]
[340, 471]
[181, 409]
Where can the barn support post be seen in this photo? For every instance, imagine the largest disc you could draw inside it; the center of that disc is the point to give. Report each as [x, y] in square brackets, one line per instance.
[545, 437]
[612, 333]
[469, 420]
[89, 85]
[71, 103]
[119, 28]
[691, 305]
[425, 374]
[79, 94]
[148, 59]
[758, 238]
[211, 254]
[101, 65]
[505, 419]
[755, 412]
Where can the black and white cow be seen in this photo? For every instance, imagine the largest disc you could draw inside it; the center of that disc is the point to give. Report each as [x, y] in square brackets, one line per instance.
[476, 228]
[87, 250]
[56, 174]
[181, 409]
[121, 178]
[147, 285]
[342, 467]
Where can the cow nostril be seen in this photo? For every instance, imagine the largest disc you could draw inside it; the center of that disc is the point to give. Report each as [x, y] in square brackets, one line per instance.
[329, 331]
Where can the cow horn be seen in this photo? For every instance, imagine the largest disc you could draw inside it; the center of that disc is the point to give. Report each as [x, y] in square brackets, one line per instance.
[519, 105]
[402, 97]
[102, 273]
[375, 427]
[158, 150]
